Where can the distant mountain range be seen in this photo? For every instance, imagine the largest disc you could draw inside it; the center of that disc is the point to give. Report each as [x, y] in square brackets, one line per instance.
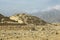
[51, 15]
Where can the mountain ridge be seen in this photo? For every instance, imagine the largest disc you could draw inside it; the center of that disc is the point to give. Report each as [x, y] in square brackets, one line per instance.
[51, 15]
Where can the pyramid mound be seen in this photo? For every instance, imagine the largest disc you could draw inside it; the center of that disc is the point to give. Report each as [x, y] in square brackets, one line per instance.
[27, 19]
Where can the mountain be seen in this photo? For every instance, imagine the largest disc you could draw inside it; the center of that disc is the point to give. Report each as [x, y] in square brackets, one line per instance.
[51, 15]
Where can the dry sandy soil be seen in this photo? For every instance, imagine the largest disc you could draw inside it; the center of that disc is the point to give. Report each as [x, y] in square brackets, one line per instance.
[30, 32]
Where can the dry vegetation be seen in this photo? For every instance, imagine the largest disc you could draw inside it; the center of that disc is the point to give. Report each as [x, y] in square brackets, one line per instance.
[30, 32]
[27, 27]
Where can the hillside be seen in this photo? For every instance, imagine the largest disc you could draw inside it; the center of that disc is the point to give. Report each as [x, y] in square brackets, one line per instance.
[35, 29]
[27, 19]
[30, 32]
[1, 16]
[51, 15]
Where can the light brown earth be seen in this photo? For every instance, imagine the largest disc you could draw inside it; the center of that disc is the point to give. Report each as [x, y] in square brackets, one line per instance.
[30, 32]
[27, 27]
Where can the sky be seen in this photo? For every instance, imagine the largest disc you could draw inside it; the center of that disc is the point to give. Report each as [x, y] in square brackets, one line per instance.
[9, 7]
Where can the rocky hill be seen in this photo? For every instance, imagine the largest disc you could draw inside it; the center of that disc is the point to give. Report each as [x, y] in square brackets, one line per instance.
[27, 19]
[5, 20]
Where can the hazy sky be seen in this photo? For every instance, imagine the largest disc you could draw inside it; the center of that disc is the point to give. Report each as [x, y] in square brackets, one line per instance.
[9, 7]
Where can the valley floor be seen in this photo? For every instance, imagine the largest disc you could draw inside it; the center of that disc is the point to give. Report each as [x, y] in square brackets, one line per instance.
[30, 32]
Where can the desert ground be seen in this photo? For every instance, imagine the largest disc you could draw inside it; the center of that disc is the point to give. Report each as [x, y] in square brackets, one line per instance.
[30, 32]
[27, 27]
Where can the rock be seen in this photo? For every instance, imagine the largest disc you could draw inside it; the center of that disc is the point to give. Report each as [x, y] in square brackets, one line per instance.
[15, 18]
[27, 19]
[20, 21]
